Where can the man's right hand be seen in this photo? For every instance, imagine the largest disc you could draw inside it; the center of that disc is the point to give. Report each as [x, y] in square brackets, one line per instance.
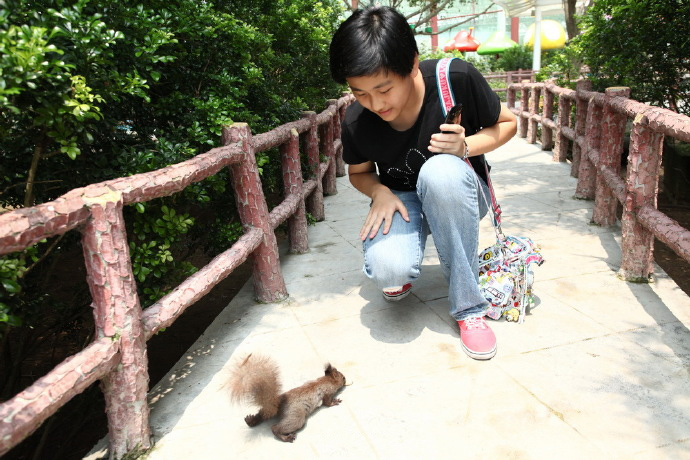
[384, 205]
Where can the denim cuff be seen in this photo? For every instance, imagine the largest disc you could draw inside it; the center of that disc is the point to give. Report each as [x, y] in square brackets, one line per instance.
[479, 312]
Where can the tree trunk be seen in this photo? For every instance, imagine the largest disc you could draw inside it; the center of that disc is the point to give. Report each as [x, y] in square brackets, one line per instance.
[31, 177]
[570, 23]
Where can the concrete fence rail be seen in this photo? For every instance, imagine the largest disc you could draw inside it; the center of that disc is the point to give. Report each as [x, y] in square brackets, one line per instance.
[510, 77]
[597, 132]
[117, 356]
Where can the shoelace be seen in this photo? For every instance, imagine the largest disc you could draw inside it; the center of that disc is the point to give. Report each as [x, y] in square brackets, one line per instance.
[475, 323]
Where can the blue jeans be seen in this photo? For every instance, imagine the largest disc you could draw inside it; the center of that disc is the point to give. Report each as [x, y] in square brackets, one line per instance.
[447, 202]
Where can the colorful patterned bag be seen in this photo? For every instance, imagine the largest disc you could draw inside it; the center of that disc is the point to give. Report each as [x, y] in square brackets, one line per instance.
[505, 268]
[506, 276]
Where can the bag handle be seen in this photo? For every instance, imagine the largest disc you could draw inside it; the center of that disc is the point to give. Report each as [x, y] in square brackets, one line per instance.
[447, 99]
[445, 90]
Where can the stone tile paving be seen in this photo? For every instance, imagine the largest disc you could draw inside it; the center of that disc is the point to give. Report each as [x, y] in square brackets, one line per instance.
[599, 370]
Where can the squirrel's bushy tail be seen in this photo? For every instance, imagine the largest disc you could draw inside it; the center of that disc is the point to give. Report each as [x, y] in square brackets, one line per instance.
[256, 378]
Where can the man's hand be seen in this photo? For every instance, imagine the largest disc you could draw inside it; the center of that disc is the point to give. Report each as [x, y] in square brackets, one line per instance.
[451, 141]
[384, 205]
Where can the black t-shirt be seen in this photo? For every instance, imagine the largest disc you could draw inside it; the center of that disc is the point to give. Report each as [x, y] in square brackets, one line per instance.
[399, 155]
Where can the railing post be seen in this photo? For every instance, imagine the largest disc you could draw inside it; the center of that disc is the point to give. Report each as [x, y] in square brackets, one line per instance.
[117, 315]
[314, 201]
[330, 187]
[581, 104]
[292, 185]
[547, 114]
[269, 285]
[587, 173]
[338, 151]
[523, 121]
[510, 97]
[560, 149]
[610, 149]
[532, 124]
[642, 186]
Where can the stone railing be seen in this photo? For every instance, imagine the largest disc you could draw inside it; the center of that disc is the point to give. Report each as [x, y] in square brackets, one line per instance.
[596, 123]
[117, 356]
[510, 77]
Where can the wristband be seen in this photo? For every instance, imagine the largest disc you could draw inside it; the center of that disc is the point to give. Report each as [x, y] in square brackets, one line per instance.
[467, 152]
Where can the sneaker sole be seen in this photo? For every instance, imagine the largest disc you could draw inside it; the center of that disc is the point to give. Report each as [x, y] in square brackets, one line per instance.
[396, 297]
[477, 355]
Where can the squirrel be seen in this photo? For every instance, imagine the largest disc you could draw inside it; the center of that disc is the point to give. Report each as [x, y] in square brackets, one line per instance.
[257, 379]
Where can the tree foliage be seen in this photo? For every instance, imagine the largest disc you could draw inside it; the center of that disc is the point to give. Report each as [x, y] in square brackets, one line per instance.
[515, 58]
[640, 44]
[90, 79]
[420, 12]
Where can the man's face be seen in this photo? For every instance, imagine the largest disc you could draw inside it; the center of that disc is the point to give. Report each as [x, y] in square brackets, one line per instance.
[384, 93]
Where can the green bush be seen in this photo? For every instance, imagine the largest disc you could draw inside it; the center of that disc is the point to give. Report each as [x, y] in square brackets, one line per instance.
[515, 58]
[562, 65]
[643, 45]
[92, 90]
[438, 53]
[482, 64]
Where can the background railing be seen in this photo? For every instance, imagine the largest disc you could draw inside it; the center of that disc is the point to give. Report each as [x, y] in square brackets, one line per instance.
[118, 354]
[596, 124]
[509, 77]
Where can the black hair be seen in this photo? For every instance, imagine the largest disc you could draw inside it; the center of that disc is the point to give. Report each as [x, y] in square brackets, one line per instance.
[371, 40]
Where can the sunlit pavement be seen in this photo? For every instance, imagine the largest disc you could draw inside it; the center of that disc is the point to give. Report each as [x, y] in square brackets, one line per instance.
[599, 369]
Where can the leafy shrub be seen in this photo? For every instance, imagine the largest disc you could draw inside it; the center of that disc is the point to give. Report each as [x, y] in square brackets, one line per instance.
[643, 45]
[482, 64]
[563, 66]
[515, 58]
[438, 53]
[91, 90]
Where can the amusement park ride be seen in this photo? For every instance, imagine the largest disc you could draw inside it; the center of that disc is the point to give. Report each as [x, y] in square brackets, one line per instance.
[541, 35]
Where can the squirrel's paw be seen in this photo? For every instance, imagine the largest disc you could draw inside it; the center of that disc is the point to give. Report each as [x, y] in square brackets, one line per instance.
[253, 420]
[329, 402]
[289, 437]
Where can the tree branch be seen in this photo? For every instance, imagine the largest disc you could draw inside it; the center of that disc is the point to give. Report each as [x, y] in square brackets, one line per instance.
[31, 176]
[455, 24]
[432, 9]
[51, 154]
[432, 12]
[19, 184]
[45, 254]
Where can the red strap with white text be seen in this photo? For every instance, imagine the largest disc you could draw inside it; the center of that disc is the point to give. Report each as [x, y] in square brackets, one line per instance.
[445, 95]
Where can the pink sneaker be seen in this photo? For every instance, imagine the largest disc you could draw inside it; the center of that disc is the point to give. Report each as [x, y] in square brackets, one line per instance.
[395, 294]
[477, 338]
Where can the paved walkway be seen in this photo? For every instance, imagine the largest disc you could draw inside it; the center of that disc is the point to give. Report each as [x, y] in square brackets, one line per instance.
[599, 370]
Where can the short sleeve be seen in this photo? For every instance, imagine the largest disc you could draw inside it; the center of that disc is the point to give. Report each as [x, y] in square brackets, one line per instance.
[351, 154]
[482, 104]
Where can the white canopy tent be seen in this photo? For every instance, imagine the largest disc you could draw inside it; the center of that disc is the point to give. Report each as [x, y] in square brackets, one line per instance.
[521, 7]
